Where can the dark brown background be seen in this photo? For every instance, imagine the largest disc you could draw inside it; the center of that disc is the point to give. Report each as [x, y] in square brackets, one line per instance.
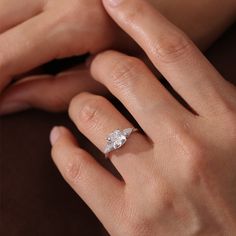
[34, 198]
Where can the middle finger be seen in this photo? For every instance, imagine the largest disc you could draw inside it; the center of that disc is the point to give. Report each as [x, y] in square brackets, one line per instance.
[137, 88]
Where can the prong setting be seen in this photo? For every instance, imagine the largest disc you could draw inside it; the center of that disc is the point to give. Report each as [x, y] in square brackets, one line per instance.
[117, 139]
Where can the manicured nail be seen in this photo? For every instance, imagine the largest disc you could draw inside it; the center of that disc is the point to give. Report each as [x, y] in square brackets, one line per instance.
[113, 3]
[12, 107]
[55, 135]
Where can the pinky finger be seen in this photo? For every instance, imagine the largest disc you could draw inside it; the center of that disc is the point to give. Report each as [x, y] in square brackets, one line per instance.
[50, 93]
[101, 191]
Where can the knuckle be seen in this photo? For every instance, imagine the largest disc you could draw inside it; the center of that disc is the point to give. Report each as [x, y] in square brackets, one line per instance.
[194, 153]
[133, 221]
[163, 199]
[229, 128]
[178, 129]
[160, 197]
[136, 224]
[136, 220]
[91, 110]
[73, 164]
[124, 73]
[195, 161]
[174, 47]
[229, 119]
[138, 228]
[193, 149]
[74, 167]
[225, 116]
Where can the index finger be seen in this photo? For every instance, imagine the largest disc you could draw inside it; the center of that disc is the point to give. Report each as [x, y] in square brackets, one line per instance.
[174, 55]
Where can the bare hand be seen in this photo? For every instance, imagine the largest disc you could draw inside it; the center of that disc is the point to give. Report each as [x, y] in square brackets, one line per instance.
[179, 178]
[35, 32]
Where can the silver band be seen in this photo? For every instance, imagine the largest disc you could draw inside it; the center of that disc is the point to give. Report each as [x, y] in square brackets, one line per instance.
[117, 139]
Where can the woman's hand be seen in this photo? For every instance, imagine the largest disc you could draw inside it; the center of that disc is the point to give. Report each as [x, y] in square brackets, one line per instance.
[179, 177]
[35, 32]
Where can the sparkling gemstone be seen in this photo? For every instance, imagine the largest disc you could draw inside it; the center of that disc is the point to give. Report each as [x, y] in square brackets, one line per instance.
[117, 139]
[127, 132]
[109, 148]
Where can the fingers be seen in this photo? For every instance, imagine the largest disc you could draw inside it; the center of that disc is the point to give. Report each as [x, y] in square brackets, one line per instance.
[136, 87]
[96, 186]
[14, 12]
[190, 74]
[20, 46]
[96, 118]
[50, 93]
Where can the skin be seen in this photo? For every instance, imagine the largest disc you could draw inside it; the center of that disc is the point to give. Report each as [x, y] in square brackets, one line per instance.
[35, 32]
[178, 178]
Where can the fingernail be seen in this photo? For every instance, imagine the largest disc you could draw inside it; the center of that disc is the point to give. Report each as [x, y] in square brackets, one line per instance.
[12, 107]
[113, 3]
[55, 135]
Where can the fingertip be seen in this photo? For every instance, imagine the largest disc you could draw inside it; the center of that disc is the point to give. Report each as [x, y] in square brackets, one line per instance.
[95, 60]
[54, 135]
[57, 133]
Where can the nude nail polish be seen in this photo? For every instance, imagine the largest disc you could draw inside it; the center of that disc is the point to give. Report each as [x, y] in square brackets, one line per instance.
[54, 135]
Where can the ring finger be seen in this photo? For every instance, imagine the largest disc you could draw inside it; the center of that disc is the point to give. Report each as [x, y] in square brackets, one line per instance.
[96, 117]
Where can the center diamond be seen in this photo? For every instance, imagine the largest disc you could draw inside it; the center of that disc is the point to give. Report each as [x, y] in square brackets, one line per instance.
[117, 139]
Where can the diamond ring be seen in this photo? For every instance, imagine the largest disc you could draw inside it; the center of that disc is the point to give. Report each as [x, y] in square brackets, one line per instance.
[117, 139]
